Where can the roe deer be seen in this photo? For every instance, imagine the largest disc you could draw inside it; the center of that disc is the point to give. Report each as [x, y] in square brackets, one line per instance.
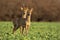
[24, 21]
[21, 21]
[28, 18]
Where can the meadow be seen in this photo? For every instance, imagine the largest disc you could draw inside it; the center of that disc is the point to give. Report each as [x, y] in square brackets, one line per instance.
[37, 31]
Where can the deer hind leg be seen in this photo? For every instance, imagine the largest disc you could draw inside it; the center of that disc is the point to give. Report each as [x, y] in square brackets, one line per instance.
[15, 28]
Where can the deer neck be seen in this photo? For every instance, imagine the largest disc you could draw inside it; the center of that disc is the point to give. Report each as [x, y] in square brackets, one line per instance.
[28, 18]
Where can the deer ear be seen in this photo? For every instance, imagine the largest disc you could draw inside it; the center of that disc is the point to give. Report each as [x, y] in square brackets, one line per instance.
[26, 9]
[21, 8]
[31, 10]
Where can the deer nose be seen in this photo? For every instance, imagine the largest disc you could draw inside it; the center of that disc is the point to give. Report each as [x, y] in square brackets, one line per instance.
[28, 14]
[23, 13]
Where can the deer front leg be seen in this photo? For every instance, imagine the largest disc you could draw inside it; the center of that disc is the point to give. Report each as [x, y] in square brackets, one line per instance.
[21, 29]
[27, 29]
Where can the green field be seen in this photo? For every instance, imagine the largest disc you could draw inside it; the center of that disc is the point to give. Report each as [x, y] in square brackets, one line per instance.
[37, 31]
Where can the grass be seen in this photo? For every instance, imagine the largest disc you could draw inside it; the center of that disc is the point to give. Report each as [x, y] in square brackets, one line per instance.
[37, 31]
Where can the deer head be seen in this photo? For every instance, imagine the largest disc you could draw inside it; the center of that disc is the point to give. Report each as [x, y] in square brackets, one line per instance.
[29, 12]
[24, 11]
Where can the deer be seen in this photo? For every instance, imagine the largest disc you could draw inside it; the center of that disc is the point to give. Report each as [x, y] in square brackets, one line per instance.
[28, 20]
[24, 21]
[17, 22]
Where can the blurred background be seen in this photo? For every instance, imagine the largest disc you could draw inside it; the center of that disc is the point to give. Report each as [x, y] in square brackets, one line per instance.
[44, 10]
[45, 19]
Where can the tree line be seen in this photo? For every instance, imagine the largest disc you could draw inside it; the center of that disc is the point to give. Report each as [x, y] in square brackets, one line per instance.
[44, 10]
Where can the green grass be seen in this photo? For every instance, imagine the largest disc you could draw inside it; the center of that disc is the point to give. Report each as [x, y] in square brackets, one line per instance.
[37, 31]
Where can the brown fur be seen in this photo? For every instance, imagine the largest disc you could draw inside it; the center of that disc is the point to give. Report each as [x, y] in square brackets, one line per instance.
[24, 22]
[28, 18]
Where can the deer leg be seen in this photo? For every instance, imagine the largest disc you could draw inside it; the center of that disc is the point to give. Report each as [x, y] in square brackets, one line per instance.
[15, 27]
[21, 29]
[27, 28]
